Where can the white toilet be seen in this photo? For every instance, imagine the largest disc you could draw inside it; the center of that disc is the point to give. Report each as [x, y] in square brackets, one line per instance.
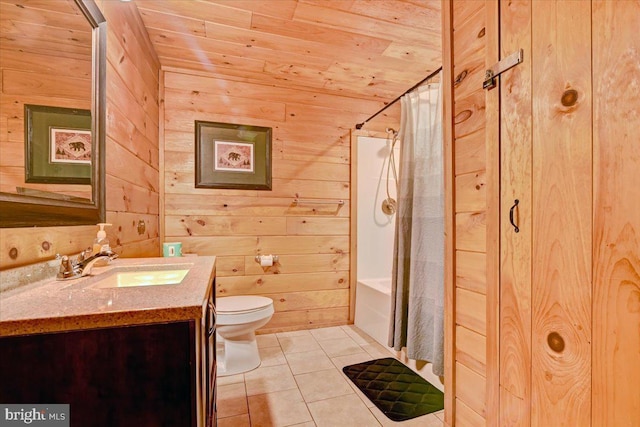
[237, 318]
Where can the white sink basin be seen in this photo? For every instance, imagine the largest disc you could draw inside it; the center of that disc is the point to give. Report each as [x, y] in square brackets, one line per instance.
[137, 276]
[127, 279]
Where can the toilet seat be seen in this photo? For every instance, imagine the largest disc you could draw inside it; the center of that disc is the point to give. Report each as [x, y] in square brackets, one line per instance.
[242, 309]
[241, 304]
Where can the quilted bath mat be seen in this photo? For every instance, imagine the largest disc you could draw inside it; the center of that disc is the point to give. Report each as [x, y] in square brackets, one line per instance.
[396, 390]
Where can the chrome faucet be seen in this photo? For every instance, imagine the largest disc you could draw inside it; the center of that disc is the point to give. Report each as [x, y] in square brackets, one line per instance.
[82, 266]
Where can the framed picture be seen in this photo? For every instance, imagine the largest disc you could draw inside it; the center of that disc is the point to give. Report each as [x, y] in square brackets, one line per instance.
[57, 145]
[233, 156]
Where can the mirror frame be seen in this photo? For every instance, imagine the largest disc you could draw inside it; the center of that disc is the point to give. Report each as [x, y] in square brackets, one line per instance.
[28, 211]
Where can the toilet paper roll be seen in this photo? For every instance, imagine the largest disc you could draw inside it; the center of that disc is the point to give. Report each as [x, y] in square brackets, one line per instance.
[266, 260]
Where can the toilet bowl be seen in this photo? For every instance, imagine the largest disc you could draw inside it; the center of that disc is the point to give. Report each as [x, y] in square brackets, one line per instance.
[237, 318]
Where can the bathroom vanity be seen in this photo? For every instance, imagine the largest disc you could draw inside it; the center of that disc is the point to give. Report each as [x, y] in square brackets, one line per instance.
[131, 345]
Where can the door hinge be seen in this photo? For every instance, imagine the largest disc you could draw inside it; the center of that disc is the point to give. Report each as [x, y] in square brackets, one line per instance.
[503, 65]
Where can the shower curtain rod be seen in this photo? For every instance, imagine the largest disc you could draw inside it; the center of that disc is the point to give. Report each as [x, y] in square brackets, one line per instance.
[429, 77]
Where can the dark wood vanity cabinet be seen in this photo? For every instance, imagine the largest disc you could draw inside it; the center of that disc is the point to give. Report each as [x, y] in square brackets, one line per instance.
[160, 374]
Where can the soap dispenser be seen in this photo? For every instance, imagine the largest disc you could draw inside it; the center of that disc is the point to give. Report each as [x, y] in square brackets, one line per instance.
[101, 243]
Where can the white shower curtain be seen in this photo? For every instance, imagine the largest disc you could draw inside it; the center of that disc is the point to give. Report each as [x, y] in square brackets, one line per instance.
[417, 312]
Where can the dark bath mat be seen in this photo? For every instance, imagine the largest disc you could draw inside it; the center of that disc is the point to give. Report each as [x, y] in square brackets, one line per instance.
[396, 390]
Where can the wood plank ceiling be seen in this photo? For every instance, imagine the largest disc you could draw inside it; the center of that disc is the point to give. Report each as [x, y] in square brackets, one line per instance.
[366, 49]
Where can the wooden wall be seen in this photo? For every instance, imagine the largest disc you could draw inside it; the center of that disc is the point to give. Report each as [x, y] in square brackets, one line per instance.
[133, 180]
[311, 160]
[132, 177]
[466, 302]
[615, 372]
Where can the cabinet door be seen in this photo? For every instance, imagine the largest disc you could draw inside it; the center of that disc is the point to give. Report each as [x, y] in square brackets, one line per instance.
[126, 376]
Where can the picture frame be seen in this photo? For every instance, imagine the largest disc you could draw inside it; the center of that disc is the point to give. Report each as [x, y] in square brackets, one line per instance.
[233, 156]
[58, 145]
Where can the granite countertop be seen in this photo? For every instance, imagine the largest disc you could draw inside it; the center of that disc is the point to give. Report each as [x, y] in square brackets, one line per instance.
[49, 305]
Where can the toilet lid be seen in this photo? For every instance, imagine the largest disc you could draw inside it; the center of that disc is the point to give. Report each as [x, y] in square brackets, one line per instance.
[242, 304]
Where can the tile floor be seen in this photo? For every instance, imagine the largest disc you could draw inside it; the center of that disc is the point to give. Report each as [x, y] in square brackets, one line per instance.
[300, 383]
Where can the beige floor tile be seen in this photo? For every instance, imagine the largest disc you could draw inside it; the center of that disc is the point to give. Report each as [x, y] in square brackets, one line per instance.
[309, 424]
[377, 350]
[342, 411]
[281, 408]
[298, 344]
[429, 420]
[340, 347]
[342, 361]
[271, 356]
[357, 334]
[230, 379]
[322, 385]
[237, 421]
[269, 379]
[440, 415]
[267, 340]
[301, 333]
[350, 359]
[309, 361]
[232, 400]
[330, 333]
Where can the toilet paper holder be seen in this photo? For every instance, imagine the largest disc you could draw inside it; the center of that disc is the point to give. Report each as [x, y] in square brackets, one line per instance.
[258, 258]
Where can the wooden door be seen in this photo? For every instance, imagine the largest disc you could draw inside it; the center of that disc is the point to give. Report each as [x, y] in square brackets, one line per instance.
[516, 198]
[570, 155]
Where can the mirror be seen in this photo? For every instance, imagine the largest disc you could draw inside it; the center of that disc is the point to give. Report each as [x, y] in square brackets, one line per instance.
[52, 121]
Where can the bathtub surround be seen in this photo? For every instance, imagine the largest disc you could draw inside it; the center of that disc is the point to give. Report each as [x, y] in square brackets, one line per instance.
[418, 268]
[375, 235]
[375, 228]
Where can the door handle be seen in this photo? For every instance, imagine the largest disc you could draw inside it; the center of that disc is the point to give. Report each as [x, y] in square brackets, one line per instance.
[211, 311]
[515, 227]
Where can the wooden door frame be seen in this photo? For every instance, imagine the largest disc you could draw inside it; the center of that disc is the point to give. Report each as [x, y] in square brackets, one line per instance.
[449, 214]
[492, 117]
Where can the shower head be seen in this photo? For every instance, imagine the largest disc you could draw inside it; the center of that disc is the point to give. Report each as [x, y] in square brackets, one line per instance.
[391, 133]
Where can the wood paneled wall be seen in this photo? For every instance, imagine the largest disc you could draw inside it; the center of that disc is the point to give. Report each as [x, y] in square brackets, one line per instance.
[615, 337]
[311, 160]
[132, 177]
[464, 23]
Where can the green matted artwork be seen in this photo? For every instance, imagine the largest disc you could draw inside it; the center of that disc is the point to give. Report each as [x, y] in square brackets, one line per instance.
[233, 156]
[58, 145]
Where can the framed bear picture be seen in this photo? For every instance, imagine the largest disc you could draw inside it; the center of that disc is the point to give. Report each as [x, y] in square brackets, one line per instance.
[233, 156]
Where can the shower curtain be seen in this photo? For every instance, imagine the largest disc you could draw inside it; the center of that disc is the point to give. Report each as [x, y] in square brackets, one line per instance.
[417, 312]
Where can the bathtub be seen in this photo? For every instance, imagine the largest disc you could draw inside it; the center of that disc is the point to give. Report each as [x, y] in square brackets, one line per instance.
[373, 308]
